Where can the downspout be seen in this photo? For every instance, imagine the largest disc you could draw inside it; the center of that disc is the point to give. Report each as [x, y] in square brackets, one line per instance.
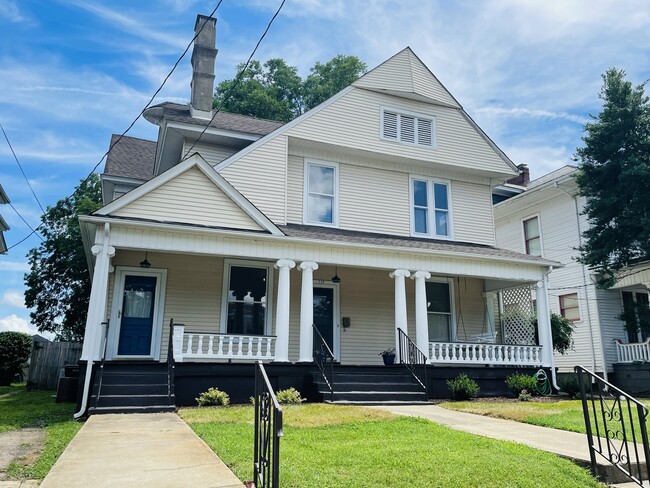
[548, 311]
[584, 286]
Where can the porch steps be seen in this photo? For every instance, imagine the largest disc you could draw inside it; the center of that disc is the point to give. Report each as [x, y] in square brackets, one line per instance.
[365, 385]
[131, 387]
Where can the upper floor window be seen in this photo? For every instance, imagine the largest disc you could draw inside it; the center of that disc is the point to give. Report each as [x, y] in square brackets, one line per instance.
[407, 127]
[430, 214]
[321, 193]
[569, 308]
[532, 236]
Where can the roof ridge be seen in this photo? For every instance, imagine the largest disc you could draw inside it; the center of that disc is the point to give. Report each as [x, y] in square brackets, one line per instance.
[186, 105]
[132, 137]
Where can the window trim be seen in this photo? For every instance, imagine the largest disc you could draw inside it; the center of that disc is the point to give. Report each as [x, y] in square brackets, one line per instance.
[225, 287]
[305, 192]
[431, 207]
[452, 298]
[408, 113]
[523, 234]
[562, 309]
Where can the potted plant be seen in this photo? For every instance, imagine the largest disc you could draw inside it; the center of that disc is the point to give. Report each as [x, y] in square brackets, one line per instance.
[388, 356]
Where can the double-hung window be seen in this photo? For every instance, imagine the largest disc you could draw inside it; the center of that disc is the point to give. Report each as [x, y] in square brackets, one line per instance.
[569, 307]
[246, 298]
[321, 193]
[407, 128]
[439, 311]
[532, 236]
[430, 209]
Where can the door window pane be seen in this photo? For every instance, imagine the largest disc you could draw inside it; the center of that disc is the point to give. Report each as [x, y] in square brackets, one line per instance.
[247, 300]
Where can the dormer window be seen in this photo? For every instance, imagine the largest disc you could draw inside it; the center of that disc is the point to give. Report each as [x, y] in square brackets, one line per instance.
[430, 208]
[321, 193]
[407, 128]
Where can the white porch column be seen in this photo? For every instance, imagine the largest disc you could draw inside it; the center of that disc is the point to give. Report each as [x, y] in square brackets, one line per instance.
[544, 323]
[98, 297]
[421, 319]
[282, 310]
[307, 311]
[400, 305]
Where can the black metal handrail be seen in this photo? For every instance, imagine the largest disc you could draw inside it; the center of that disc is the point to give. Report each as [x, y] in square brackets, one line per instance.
[171, 362]
[101, 364]
[619, 429]
[268, 430]
[324, 359]
[414, 359]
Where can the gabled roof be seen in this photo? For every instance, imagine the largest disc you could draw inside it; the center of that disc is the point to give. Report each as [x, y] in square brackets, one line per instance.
[404, 74]
[3, 196]
[553, 175]
[131, 157]
[223, 120]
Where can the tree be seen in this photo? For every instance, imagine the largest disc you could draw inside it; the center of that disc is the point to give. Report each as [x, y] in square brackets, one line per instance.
[14, 352]
[58, 284]
[274, 90]
[614, 177]
[562, 333]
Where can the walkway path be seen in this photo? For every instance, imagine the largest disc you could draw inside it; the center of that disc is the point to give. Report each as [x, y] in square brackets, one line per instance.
[570, 445]
[138, 450]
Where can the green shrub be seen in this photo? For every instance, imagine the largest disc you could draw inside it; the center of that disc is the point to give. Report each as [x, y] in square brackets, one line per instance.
[569, 384]
[290, 396]
[14, 353]
[463, 388]
[524, 396]
[214, 396]
[518, 382]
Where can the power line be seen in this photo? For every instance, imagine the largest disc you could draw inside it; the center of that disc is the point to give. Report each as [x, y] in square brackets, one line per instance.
[21, 168]
[33, 231]
[237, 80]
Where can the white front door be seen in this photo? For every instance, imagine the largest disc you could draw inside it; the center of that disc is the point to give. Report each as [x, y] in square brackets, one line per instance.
[135, 328]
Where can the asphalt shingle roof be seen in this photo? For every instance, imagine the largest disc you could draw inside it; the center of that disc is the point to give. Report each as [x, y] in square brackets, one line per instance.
[131, 158]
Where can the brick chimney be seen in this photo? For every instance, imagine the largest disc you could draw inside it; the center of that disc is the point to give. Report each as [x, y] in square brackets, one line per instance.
[203, 57]
[523, 178]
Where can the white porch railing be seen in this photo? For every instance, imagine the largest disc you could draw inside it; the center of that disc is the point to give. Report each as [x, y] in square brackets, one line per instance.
[196, 345]
[504, 354]
[629, 353]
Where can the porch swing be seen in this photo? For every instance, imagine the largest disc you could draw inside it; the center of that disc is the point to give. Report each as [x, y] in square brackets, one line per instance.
[489, 333]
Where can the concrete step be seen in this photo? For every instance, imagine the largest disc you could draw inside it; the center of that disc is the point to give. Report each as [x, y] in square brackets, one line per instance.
[343, 386]
[132, 409]
[376, 396]
[132, 400]
[132, 389]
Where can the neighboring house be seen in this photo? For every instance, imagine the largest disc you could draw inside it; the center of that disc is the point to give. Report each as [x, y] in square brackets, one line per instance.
[546, 219]
[370, 217]
[3, 224]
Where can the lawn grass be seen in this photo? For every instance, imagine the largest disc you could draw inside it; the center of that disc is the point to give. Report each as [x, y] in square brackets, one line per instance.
[562, 415]
[37, 409]
[4, 390]
[327, 445]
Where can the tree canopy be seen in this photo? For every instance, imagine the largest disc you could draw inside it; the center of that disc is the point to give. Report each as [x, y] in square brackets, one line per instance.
[58, 283]
[274, 90]
[614, 177]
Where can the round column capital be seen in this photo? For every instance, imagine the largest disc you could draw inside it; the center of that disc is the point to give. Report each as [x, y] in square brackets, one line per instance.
[285, 263]
[400, 273]
[311, 265]
[419, 275]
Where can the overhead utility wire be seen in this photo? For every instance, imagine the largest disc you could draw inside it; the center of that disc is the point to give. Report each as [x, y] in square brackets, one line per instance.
[85, 180]
[33, 231]
[21, 168]
[237, 80]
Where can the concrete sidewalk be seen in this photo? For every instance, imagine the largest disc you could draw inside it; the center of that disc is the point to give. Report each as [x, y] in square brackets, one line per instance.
[138, 450]
[570, 445]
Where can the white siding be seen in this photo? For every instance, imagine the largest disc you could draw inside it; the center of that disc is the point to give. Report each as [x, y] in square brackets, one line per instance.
[353, 121]
[472, 213]
[212, 153]
[189, 198]
[295, 176]
[610, 306]
[261, 177]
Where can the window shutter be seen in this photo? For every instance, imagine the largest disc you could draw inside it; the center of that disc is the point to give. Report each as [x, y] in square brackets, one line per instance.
[407, 129]
[390, 125]
[425, 132]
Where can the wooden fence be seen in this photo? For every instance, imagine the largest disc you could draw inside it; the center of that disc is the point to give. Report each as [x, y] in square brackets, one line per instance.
[46, 362]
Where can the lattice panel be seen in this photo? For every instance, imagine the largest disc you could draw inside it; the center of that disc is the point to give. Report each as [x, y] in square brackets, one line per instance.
[517, 316]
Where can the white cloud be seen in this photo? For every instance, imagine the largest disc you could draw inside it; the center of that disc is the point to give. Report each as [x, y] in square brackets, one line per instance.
[526, 112]
[13, 298]
[9, 11]
[17, 266]
[17, 324]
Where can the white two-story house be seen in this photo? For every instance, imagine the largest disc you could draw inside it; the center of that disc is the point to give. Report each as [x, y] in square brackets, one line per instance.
[363, 225]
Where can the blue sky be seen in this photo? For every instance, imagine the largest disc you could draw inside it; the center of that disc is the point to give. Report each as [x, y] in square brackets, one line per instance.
[73, 72]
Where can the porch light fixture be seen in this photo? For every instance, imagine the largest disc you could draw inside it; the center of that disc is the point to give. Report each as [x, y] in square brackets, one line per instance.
[145, 264]
[335, 279]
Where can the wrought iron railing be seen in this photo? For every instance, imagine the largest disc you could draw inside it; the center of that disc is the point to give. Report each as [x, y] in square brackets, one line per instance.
[100, 374]
[268, 430]
[414, 359]
[324, 359]
[616, 426]
[171, 363]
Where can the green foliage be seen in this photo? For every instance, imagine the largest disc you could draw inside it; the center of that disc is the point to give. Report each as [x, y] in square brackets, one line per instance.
[637, 318]
[290, 396]
[463, 388]
[614, 176]
[562, 332]
[58, 283]
[518, 382]
[569, 384]
[275, 91]
[214, 396]
[524, 396]
[14, 353]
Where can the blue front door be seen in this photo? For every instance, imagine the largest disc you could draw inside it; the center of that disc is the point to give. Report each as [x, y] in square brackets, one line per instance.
[136, 322]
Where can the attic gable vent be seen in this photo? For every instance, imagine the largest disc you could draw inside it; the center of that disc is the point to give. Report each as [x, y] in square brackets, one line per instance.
[408, 128]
